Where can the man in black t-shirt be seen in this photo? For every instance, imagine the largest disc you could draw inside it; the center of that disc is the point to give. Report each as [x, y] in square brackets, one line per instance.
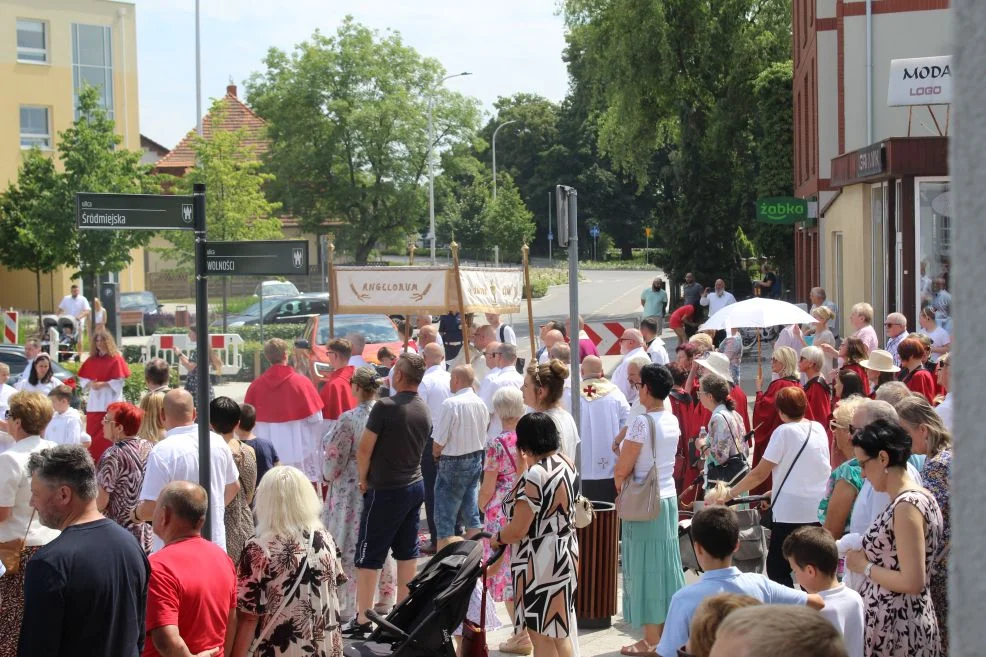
[85, 593]
[389, 463]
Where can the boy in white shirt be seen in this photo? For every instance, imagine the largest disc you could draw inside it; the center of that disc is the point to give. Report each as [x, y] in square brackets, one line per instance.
[814, 558]
[66, 426]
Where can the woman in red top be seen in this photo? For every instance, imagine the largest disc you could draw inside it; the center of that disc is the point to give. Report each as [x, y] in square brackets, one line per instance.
[687, 314]
[912, 373]
[784, 363]
[853, 351]
[819, 394]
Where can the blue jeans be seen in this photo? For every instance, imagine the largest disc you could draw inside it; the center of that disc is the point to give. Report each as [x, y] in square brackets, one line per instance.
[457, 492]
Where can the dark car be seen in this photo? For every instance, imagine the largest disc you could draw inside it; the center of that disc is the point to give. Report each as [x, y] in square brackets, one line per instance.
[145, 301]
[13, 356]
[282, 310]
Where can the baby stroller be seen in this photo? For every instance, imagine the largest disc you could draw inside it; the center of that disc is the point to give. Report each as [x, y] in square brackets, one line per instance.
[751, 557]
[437, 603]
[67, 328]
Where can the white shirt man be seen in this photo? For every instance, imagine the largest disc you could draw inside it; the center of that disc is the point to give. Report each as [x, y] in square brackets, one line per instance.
[718, 299]
[435, 386]
[502, 332]
[817, 296]
[501, 358]
[74, 304]
[176, 458]
[631, 346]
[462, 428]
[603, 411]
[31, 350]
[359, 344]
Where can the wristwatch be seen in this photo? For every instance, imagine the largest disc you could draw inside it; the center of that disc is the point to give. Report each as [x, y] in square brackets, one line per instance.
[868, 570]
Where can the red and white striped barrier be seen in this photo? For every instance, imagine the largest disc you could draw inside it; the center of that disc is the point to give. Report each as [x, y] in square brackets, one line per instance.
[11, 319]
[228, 347]
[606, 336]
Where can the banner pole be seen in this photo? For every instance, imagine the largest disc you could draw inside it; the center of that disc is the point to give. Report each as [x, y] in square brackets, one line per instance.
[332, 291]
[411, 248]
[458, 291]
[525, 250]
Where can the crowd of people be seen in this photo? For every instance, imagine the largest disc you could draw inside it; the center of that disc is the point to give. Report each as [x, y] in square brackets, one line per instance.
[323, 498]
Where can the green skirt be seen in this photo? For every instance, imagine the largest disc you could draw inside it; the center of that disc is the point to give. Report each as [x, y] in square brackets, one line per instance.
[652, 571]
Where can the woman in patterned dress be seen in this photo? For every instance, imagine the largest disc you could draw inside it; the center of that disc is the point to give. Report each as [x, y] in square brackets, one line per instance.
[545, 557]
[899, 550]
[288, 575]
[224, 416]
[500, 471]
[120, 473]
[930, 437]
[344, 502]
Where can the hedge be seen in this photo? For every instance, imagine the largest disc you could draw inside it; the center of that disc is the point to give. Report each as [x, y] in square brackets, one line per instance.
[289, 332]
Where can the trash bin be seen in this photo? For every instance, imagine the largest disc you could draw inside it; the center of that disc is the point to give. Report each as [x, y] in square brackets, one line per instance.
[595, 596]
[181, 316]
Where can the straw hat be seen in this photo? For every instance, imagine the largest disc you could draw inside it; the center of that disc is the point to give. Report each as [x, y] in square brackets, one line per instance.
[880, 361]
[718, 364]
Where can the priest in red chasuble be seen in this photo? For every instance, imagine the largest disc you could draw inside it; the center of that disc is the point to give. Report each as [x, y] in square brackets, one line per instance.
[103, 374]
[289, 412]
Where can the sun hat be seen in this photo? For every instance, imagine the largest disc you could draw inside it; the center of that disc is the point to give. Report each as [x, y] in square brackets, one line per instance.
[718, 364]
[880, 361]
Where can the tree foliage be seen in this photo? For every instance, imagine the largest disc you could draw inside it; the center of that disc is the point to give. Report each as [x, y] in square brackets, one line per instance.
[94, 162]
[34, 228]
[236, 205]
[347, 116]
[478, 224]
[670, 85]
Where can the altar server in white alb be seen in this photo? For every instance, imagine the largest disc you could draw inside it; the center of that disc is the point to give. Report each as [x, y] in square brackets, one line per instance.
[604, 412]
[289, 412]
[66, 426]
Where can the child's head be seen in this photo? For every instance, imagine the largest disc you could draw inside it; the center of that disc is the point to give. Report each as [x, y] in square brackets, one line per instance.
[248, 420]
[813, 556]
[61, 398]
[715, 532]
[386, 356]
[709, 615]
[224, 415]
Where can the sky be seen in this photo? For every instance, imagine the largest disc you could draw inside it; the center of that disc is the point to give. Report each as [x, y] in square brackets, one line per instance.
[509, 46]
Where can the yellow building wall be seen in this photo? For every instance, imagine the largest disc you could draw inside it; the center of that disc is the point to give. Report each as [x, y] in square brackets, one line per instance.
[50, 85]
[849, 284]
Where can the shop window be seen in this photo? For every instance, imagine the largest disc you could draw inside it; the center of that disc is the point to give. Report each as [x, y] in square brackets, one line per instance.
[934, 218]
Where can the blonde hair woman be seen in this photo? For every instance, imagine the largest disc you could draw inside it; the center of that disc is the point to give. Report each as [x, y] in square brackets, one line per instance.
[29, 414]
[151, 424]
[289, 574]
[823, 336]
[543, 388]
[103, 375]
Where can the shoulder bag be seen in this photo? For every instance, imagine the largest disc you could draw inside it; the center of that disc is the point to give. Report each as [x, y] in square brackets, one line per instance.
[11, 551]
[767, 517]
[734, 468]
[642, 501]
[271, 619]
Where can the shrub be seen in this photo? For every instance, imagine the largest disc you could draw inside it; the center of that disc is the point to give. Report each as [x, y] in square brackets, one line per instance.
[133, 387]
[289, 332]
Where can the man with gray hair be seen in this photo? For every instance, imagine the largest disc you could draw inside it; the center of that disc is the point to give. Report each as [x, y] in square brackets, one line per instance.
[502, 358]
[631, 345]
[892, 392]
[818, 298]
[358, 343]
[895, 326]
[85, 592]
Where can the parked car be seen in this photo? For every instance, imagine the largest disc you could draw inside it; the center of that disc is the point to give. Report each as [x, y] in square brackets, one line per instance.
[379, 331]
[13, 356]
[145, 301]
[280, 310]
[277, 289]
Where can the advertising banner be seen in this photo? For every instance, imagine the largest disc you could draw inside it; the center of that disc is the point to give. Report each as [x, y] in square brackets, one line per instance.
[920, 81]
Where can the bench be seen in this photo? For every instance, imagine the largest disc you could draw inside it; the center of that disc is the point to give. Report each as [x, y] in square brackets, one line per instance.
[132, 318]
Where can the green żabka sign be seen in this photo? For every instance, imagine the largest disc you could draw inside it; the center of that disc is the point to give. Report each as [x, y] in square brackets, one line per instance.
[781, 210]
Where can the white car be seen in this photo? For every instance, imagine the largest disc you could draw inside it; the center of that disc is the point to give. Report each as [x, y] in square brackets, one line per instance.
[277, 289]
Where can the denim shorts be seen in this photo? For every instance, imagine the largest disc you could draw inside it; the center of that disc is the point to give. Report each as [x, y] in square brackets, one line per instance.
[457, 492]
[389, 521]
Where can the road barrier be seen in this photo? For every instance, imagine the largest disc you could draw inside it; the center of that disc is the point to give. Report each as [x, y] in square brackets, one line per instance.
[227, 346]
[11, 318]
[606, 336]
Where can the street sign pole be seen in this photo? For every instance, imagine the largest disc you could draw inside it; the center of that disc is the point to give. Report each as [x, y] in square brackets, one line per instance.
[573, 297]
[203, 353]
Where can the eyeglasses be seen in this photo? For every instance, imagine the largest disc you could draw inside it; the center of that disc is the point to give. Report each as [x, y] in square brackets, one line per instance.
[626, 340]
[862, 463]
[637, 386]
[835, 426]
[108, 420]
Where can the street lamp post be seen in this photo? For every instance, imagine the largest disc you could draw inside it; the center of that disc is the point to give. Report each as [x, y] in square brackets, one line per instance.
[431, 164]
[494, 155]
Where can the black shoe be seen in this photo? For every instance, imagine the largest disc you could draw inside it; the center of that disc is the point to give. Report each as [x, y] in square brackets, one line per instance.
[356, 630]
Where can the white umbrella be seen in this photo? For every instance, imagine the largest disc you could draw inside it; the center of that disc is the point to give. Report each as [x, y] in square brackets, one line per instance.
[757, 313]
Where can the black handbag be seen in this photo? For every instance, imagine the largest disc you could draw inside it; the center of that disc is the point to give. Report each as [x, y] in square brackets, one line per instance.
[767, 516]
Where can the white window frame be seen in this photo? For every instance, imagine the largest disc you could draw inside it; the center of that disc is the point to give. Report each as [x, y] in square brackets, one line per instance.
[32, 136]
[47, 42]
[917, 234]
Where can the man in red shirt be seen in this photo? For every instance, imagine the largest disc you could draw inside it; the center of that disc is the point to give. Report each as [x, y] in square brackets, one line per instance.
[337, 391]
[191, 595]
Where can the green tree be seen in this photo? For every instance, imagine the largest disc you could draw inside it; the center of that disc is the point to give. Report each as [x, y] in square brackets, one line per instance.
[471, 218]
[94, 162]
[347, 116]
[669, 83]
[774, 131]
[236, 207]
[34, 226]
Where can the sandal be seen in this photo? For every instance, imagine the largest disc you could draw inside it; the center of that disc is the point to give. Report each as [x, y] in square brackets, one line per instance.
[640, 649]
[518, 644]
